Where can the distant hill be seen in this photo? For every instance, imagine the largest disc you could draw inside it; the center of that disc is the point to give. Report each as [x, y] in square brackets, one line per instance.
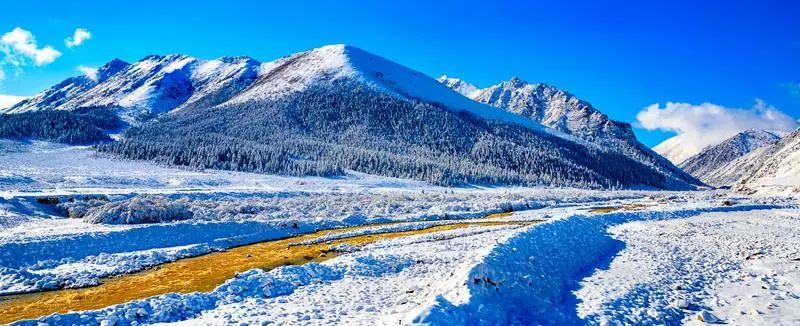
[705, 164]
[565, 112]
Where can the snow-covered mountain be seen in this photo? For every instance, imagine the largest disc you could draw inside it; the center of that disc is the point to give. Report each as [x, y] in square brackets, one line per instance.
[150, 86]
[458, 85]
[565, 112]
[704, 164]
[773, 167]
[7, 101]
[332, 64]
[55, 98]
[675, 149]
[339, 108]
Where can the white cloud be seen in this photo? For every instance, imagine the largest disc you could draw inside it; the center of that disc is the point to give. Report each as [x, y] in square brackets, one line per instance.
[708, 124]
[90, 72]
[80, 35]
[20, 44]
[9, 100]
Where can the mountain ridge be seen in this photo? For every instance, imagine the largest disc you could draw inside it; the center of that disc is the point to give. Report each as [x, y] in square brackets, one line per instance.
[560, 110]
[774, 167]
[704, 164]
[339, 108]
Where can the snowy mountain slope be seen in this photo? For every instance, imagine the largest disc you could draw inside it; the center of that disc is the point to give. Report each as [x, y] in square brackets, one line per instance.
[458, 85]
[150, 86]
[560, 110]
[674, 149]
[339, 108]
[777, 166]
[552, 107]
[218, 80]
[55, 97]
[334, 63]
[729, 173]
[714, 157]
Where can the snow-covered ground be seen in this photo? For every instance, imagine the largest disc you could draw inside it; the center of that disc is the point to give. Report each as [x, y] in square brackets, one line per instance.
[739, 267]
[643, 258]
[43, 168]
[664, 262]
[41, 249]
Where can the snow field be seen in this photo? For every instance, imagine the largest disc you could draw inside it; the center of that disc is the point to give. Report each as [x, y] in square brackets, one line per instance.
[738, 268]
[531, 278]
[511, 274]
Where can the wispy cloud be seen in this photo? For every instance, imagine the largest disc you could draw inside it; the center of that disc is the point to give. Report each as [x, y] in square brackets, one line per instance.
[792, 87]
[708, 124]
[89, 72]
[20, 45]
[81, 35]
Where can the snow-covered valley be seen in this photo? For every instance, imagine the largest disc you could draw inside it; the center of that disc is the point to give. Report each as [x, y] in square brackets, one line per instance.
[590, 257]
[335, 186]
[295, 163]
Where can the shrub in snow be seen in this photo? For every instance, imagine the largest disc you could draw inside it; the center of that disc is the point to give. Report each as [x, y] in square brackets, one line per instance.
[78, 208]
[140, 209]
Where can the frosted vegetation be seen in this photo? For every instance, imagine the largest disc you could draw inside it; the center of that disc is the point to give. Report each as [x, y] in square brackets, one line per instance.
[146, 209]
[350, 208]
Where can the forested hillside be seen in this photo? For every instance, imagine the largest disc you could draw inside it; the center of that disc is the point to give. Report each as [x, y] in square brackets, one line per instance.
[326, 130]
[78, 127]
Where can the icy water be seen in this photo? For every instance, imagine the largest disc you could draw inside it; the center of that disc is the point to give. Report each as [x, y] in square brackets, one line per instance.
[202, 273]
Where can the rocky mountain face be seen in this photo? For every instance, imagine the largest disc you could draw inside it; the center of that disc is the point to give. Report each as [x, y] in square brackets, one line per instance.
[565, 112]
[772, 168]
[704, 164]
[151, 86]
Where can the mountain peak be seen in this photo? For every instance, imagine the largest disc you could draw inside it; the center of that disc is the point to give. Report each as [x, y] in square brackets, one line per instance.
[516, 82]
[237, 59]
[458, 85]
[161, 57]
[332, 63]
[562, 111]
[116, 62]
[109, 69]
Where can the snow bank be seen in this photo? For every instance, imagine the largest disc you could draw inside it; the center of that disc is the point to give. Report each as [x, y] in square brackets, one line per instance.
[74, 273]
[241, 299]
[222, 220]
[254, 283]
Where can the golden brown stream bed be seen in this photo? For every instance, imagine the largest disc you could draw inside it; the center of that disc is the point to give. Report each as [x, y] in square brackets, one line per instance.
[201, 273]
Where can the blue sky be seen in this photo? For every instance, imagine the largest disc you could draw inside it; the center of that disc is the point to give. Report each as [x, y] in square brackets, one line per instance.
[620, 55]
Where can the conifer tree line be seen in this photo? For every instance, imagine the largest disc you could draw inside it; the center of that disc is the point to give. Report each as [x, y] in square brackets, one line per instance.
[82, 126]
